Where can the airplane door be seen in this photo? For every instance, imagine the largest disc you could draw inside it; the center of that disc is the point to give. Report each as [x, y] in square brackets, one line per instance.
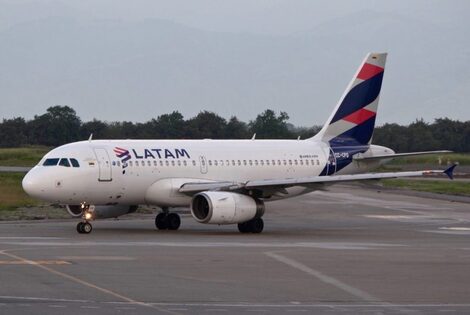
[203, 164]
[104, 165]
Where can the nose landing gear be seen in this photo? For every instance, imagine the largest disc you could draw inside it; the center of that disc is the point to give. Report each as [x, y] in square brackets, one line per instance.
[85, 227]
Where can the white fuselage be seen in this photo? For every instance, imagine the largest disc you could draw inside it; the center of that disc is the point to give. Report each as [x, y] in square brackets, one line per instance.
[137, 172]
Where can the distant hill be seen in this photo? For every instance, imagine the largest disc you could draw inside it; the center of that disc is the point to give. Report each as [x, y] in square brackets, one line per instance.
[122, 70]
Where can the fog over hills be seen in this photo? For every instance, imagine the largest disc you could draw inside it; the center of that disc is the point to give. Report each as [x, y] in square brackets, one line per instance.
[115, 69]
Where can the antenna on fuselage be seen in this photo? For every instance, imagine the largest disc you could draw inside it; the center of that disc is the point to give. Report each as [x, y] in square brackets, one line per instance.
[298, 138]
[254, 136]
[91, 137]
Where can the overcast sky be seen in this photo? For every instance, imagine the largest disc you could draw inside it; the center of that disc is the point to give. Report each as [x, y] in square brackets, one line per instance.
[293, 45]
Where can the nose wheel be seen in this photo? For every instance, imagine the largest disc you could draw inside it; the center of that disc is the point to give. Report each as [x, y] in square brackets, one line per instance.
[84, 227]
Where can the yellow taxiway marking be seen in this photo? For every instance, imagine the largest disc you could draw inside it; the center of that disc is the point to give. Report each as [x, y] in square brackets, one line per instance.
[35, 262]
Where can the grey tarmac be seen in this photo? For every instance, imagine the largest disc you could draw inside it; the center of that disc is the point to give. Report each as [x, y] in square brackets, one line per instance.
[351, 249]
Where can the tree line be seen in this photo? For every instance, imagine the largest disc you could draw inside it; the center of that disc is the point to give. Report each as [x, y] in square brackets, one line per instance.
[60, 125]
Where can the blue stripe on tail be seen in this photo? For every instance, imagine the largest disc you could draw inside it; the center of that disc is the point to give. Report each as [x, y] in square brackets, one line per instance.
[359, 97]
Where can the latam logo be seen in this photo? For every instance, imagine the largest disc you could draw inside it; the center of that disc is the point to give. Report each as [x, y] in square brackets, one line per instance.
[125, 155]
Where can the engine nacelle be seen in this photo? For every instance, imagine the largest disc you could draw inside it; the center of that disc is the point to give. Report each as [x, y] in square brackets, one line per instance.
[219, 207]
[101, 212]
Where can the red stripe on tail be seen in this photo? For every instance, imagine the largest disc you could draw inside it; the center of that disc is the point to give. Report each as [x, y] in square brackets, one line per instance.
[360, 116]
[368, 71]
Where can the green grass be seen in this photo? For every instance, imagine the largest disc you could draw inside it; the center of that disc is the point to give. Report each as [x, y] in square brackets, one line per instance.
[434, 186]
[461, 158]
[27, 156]
[12, 195]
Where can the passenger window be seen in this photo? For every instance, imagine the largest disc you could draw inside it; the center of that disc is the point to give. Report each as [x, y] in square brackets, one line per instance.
[210, 162]
[194, 163]
[295, 162]
[306, 162]
[267, 162]
[172, 163]
[301, 162]
[221, 162]
[50, 162]
[149, 163]
[215, 162]
[64, 162]
[244, 162]
[154, 163]
[167, 163]
[318, 162]
[256, 162]
[130, 163]
[233, 162]
[278, 162]
[261, 162]
[161, 163]
[118, 163]
[185, 163]
[239, 162]
[179, 163]
[290, 162]
[284, 162]
[75, 163]
[274, 162]
[250, 162]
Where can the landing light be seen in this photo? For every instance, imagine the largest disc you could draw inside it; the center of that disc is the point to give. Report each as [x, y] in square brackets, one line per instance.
[88, 216]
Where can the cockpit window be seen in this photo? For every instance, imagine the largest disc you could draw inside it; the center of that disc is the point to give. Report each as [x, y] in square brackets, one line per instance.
[50, 162]
[64, 162]
[74, 163]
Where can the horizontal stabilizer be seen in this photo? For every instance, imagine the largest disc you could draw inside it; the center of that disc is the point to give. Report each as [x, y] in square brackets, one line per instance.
[361, 157]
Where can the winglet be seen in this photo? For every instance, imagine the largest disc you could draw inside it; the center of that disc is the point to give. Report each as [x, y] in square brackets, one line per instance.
[450, 171]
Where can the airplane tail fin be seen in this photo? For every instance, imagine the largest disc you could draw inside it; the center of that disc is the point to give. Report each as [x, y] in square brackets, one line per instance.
[353, 120]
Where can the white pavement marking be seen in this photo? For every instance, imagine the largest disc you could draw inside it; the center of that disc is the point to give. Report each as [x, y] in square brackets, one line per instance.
[324, 278]
[455, 228]
[32, 298]
[321, 245]
[30, 238]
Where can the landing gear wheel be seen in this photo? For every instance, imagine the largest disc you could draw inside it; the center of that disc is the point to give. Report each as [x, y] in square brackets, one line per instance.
[84, 227]
[173, 221]
[257, 225]
[80, 227]
[161, 221]
[253, 226]
[243, 227]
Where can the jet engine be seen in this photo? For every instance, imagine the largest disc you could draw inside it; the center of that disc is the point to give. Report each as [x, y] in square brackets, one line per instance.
[218, 207]
[101, 212]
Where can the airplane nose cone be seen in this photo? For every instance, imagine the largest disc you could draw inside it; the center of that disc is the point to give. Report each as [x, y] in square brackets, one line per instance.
[31, 186]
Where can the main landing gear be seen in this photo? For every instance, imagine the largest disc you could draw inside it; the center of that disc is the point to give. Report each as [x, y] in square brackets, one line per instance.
[255, 225]
[167, 221]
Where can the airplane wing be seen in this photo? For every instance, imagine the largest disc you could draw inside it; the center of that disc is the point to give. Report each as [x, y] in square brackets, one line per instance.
[360, 157]
[304, 181]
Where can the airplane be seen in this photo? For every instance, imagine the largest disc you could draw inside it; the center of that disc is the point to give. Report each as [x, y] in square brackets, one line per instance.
[221, 181]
